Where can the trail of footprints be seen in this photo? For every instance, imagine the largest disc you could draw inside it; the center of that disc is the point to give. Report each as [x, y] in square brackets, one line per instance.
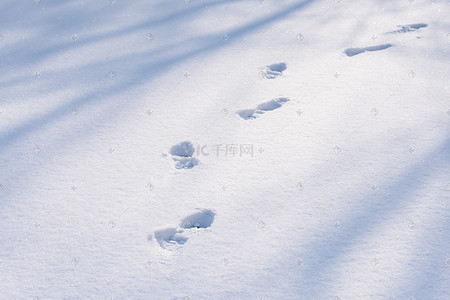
[270, 72]
[402, 29]
[182, 154]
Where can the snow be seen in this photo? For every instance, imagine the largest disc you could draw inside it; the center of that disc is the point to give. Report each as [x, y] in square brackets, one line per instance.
[211, 149]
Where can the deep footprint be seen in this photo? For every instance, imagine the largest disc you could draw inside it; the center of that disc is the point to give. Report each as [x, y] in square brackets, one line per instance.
[169, 238]
[174, 238]
[274, 70]
[355, 51]
[202, 219]
[182, 155]
[408, 28]
[262, 108]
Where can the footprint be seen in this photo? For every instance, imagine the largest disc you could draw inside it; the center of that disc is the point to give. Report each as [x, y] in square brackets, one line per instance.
[355, 51]
[402, 29]
[262, 108]
[182, 155]
[174, 238]
[408, 28]
[169, 238]
[202, 219]
[273, 71]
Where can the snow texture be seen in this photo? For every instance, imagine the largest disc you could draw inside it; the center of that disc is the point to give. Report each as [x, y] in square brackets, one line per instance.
[240, 149]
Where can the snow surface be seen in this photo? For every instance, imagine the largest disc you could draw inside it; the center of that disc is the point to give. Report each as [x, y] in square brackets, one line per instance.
[126, 172]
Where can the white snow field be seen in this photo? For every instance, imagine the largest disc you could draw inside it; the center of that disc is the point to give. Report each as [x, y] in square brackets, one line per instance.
[240, 149]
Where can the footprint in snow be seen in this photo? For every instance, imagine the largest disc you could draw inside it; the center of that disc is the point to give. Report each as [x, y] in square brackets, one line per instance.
[182, 155]
[408, 28]
[262, 108]
[402, 29]
[355, 51]
[273, 71]
[174, 238]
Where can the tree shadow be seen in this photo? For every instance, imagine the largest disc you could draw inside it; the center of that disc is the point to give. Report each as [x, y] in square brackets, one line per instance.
[142, 64]
[327, 253]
